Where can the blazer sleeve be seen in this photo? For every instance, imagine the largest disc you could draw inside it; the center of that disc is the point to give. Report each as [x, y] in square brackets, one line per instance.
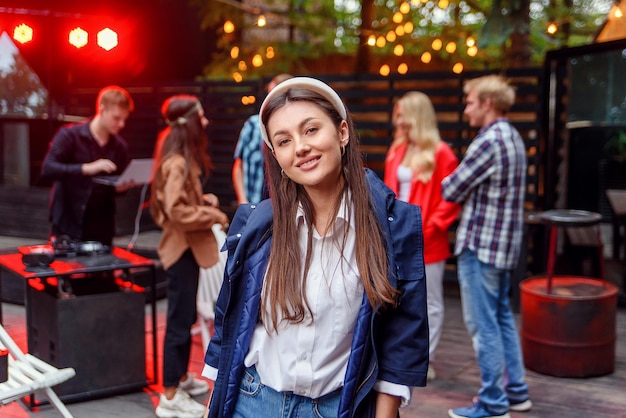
[402, 337]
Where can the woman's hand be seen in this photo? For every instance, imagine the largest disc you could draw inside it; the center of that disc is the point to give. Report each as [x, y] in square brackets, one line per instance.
[387, 405]
[211, 200]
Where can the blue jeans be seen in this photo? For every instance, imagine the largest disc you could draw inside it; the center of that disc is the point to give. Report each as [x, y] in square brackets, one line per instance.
[490, 323]
[256, 399]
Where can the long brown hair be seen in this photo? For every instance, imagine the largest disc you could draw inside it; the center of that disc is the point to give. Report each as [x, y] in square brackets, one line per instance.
[184, 136]
[285, 281]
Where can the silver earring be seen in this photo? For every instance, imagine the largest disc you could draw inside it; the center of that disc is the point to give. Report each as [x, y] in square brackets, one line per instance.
[282, 174]
[343, 150]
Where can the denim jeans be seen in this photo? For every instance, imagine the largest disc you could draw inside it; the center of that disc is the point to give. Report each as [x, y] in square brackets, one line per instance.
[491, 324]
[256, 399]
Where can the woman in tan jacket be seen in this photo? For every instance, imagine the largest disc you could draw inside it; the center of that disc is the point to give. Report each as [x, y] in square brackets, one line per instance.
[186, 216]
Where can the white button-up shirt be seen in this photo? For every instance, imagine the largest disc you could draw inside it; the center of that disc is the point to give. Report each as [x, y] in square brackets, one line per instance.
[310, 358]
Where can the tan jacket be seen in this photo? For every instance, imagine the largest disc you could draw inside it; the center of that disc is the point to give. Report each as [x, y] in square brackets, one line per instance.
[183, 215]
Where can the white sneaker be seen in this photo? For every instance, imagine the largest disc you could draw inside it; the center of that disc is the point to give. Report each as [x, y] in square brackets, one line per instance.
[180, 406]
[193, 386]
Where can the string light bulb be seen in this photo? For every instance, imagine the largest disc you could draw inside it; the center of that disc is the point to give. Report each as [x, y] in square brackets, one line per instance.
[458, 68]
[398, 50]
[470, 41]
[270, 53]
[451, 47]
[472, 51]
[371, 40]
[257, 60]
[552, 28]
[397, 17]
[381, 41]
[617, 12]
[229, 27]
[437, 44]
[403, 68]
[391, 36]
[384, 70]
[237, 77]
[426, 57]
[405, 8]
[234, 52]
[261, 21]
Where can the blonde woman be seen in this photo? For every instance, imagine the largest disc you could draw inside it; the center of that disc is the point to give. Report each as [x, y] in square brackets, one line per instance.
[415, 165]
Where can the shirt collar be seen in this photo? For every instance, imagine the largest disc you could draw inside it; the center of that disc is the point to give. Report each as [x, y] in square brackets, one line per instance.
[342, 214]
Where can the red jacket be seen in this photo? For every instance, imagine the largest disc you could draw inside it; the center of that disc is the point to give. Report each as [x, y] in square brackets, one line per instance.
[437, 214]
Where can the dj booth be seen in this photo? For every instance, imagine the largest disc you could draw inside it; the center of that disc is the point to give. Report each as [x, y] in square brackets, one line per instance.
[83, 310]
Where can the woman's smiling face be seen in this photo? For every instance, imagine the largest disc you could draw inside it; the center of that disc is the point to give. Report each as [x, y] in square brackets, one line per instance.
[307, 144]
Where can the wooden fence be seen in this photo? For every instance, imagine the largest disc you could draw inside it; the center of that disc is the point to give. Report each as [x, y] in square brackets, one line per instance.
[369, 99]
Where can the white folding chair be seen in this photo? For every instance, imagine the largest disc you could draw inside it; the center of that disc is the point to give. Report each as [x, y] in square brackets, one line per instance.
[210, 282]
[30, 375]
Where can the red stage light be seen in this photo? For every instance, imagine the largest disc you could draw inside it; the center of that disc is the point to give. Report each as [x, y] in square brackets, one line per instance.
[23, 33]
[78, 37]
[107, 39]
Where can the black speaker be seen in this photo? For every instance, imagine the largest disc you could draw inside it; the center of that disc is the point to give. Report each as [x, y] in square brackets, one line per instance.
[102, 336]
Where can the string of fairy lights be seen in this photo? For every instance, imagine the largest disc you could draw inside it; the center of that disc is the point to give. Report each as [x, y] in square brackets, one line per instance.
[396, 39]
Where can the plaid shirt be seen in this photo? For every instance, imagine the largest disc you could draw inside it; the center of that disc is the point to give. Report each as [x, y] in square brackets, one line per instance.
[491, 181]
[250, 149]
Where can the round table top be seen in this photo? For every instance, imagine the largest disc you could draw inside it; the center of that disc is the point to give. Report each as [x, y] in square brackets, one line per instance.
[570, 217]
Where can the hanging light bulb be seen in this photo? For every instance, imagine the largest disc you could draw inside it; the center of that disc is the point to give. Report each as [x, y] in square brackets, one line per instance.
[426, 57]
[403, 68]
[381, 41]
[234, 52]
[408, 27]
[458, 68]
[400, 30]
[261, 21]
[391, 36]
[229, 27]
[398, 50]
[257, 60]
[437, 44]
[451, 47]
[470, 41]
[397, 17]
[384, 70]
[617, 12]
[405, 8]
[242, 65]
[371, 40]
[237, 77]
[552, 28]
[270, 53]
[443, 4]
[472, 51]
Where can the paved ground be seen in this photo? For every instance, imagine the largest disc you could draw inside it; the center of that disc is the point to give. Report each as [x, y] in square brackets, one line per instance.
[456, 383]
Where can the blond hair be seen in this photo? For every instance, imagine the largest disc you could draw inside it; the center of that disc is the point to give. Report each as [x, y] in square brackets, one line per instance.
[419, 114]
[492, 87]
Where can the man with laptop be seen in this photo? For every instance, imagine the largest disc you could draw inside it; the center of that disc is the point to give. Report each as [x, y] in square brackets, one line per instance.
[82, 209]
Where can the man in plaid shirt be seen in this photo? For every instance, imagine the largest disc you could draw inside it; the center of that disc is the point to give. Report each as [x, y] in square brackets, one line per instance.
[490, 182]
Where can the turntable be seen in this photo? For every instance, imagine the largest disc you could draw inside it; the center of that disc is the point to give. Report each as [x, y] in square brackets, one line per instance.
[67, 247]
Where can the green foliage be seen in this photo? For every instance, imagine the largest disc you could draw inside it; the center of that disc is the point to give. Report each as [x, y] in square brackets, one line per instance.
[300, 30]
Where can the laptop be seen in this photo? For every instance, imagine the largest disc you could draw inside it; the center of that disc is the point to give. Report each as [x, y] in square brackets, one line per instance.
[139, 170]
